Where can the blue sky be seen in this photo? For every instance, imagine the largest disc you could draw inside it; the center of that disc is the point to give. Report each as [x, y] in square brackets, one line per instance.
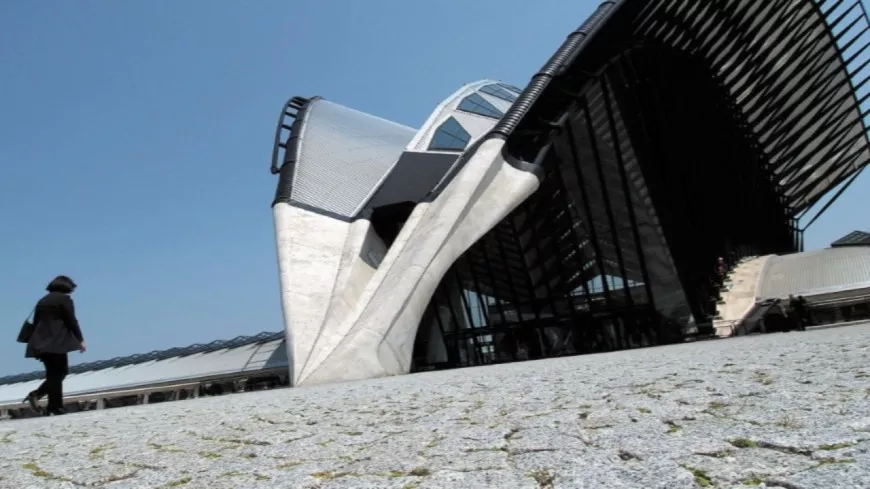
[135, 140]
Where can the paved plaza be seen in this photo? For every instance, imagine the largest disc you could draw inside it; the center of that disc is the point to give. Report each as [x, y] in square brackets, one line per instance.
[783, 410]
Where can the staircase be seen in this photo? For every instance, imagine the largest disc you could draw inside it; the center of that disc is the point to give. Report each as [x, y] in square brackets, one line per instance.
[739, 297]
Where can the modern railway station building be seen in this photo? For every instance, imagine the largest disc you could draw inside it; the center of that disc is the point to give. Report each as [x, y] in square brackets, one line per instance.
[584, 212]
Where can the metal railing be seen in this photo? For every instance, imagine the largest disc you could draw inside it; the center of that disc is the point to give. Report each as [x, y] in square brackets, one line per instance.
[194, 384]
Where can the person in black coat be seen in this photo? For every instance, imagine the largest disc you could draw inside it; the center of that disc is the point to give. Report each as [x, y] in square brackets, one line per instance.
[56, 333]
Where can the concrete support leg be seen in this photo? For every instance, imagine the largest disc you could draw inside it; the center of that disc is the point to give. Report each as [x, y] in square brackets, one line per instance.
[360, 321]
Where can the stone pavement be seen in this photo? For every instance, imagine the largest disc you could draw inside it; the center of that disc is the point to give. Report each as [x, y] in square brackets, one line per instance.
[782, 410]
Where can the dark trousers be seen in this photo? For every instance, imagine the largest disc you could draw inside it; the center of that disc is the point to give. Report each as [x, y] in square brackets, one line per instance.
[56, 369]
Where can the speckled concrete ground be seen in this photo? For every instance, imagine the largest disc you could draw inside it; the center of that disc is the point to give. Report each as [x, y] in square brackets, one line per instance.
[782, 410]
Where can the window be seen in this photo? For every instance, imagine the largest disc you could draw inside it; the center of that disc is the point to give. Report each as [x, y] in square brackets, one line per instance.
[450, 136]
[510, 87]
[476, 104]
[497, 91]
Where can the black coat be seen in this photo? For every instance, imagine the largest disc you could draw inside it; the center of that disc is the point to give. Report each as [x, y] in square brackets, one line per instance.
[56, 327]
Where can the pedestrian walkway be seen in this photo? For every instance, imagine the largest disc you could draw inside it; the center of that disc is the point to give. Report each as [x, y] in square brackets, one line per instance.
[789, 411]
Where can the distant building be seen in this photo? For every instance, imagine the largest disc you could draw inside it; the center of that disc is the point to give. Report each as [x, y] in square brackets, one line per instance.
[835, 281]
[219, 367]
[855, 238]
[585, 212]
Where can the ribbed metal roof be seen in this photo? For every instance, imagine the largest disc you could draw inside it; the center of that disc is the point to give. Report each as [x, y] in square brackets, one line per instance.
[154, 356]
[336, 156]
[815, 272]
[339, 161]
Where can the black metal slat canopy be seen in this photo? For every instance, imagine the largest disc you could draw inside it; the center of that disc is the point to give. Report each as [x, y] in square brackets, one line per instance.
[668, 133]
[797, 70]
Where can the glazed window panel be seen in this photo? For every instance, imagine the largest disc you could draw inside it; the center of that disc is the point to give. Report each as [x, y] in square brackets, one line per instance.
[510, 88]
[476, 104]
[450, 136]
[498, 91]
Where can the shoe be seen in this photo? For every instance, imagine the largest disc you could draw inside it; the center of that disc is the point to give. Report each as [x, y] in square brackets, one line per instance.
[55, 412]
[32, 401]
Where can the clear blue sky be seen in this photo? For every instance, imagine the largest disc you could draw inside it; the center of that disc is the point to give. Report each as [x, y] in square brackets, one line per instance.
[135, 139]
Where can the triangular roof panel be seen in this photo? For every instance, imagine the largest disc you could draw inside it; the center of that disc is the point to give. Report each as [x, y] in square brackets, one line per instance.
[855, 238]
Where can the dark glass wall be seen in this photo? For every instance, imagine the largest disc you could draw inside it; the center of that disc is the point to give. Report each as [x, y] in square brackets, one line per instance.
[651, 177]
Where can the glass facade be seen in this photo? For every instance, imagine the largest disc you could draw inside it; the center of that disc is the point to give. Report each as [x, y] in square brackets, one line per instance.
[611, 251]
[510, 87]
[671, 142]
[476, 104]
[450, 136]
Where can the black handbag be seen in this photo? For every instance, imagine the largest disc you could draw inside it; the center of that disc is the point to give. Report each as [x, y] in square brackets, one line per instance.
[27, 329]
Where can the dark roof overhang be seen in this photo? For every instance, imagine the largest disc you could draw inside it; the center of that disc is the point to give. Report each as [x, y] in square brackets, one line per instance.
[795, 69]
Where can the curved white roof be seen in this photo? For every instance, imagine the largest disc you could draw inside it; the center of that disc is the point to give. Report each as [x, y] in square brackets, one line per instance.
[476, 107]
[339, 155]
[814, 273]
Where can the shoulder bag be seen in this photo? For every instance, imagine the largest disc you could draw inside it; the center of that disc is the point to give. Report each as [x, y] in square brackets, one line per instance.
[27, 328]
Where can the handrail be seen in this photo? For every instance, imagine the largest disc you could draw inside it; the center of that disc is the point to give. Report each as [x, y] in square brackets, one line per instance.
[732, 325]
[290, 109]
[109, 395]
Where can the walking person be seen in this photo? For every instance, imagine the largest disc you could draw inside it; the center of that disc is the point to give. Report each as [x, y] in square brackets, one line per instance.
[56, 332]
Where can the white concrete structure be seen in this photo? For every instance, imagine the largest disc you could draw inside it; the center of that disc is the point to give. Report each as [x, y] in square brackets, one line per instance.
[353, 296]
